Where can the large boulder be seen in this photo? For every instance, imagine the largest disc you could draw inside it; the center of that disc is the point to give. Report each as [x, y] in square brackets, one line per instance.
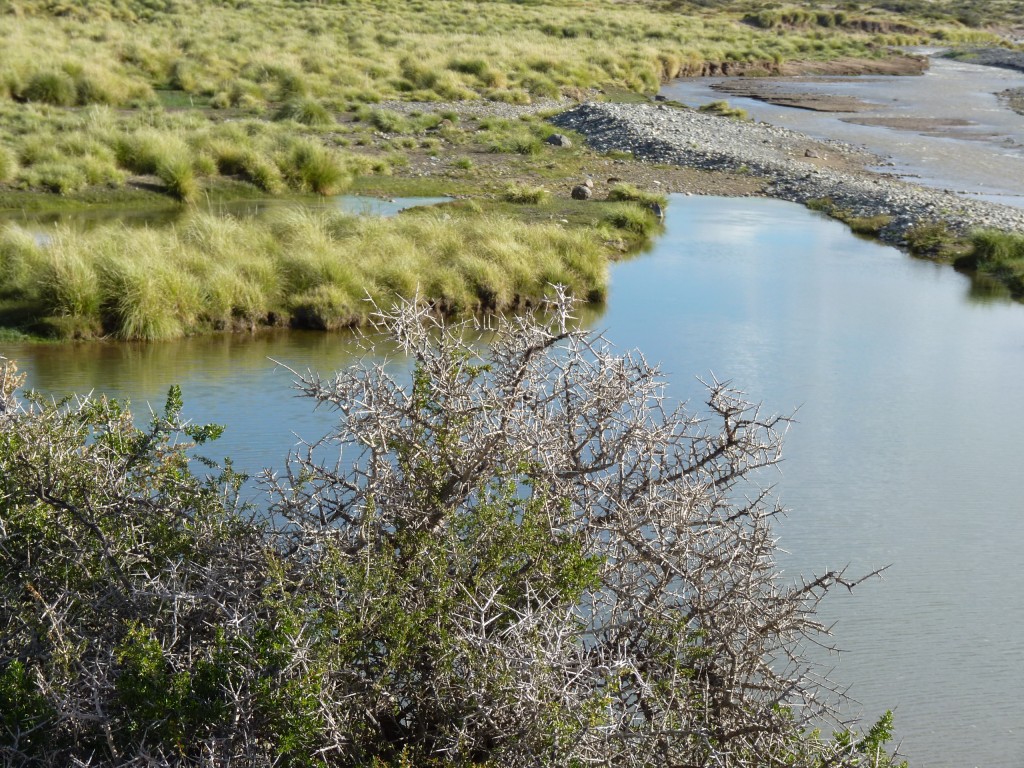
[582, 192]
[559, 140]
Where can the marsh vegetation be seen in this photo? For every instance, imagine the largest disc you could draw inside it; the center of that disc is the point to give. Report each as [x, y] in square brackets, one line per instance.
[131, 102]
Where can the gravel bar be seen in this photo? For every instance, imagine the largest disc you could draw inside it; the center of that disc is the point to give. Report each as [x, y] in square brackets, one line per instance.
[790, 162]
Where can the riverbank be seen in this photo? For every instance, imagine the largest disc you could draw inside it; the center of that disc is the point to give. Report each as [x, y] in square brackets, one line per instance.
[791, 166]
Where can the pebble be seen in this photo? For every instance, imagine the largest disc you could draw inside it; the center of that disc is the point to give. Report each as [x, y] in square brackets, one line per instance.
[698, 140]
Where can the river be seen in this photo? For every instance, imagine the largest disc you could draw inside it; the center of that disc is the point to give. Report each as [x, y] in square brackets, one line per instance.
[952, 131]
[907, 387]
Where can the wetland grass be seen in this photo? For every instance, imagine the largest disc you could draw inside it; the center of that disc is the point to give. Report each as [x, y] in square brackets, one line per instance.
[175, 82]
[300, 267]
[998, 256]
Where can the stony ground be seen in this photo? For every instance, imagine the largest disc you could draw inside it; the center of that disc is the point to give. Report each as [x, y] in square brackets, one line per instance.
[792, 166]
[668, 148]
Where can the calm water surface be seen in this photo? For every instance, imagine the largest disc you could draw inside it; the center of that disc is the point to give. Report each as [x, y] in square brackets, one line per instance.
[907, 449]
[984, 158]
[89, 218]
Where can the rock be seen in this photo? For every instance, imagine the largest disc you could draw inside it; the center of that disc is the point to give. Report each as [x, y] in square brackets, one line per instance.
[589, 183]
[559, 140]
[695, 140]
[582, 192]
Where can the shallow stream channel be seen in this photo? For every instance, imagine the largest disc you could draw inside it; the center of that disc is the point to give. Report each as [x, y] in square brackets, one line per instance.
[948, 128]
[908, 390]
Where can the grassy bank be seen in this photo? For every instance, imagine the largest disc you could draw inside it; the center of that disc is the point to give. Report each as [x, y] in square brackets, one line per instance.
[297, 267]
[280, 95]
[334, 54]
[997, 257]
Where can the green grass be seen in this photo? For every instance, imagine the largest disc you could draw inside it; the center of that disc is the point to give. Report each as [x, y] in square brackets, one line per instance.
[930, 238]
[997, 256]
[305, 268]
[140, 81]
[632, 218]
[870, 226]
[524, 194]
[629, 193]
[305, 111]
[723, 109]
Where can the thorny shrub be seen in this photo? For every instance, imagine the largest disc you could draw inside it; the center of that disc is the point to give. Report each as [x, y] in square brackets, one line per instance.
[522, 557]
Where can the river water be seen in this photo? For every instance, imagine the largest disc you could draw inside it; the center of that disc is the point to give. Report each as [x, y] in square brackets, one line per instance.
[978, 150]
[909, 390]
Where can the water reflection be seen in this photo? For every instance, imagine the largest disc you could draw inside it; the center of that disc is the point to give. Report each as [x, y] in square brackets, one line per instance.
[86, 219]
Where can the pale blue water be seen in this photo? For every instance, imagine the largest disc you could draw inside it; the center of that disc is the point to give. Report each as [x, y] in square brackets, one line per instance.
[907, 449]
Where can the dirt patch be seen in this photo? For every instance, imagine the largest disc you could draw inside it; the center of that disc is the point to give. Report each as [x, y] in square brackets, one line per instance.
[492, 173]
[785, 92]
[782, 93]
[936, 125]
[1014, 99]
[891, 65]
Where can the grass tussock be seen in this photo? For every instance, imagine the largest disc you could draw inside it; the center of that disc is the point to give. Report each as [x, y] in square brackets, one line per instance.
[633, 218]
[998, 256]
[525, 195]
[309, 269]
[724, 109]
[305, 111]
[629, 193]
[930, 238]
[868, 225]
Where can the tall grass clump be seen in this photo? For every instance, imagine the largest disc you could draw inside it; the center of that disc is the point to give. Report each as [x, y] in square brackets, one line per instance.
[999, 255]
[724, 109]
[178, 174]
[631, 217]
[61, 178]
[525, 194]
[8, 165]
[145, 294]
[21, 259]
[313, 168]
[51, 87]
[69, 283]
[628, 193]
[146, 150]
[305, 111]
[234, 159]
